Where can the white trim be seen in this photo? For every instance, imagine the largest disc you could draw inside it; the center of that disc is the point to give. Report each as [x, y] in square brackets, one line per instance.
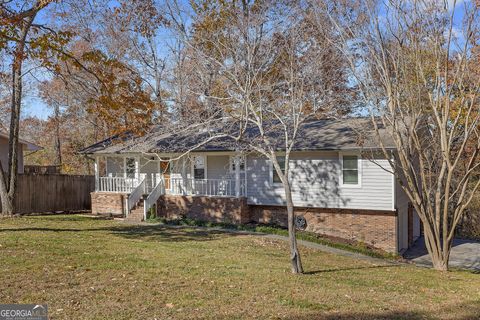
[245, 177]
[124, 166]
[394, 193]
[206, 166]
[359, 167]
[97, 173]
[237, 160]
[106, 165]
[183, 173]
[137, 168]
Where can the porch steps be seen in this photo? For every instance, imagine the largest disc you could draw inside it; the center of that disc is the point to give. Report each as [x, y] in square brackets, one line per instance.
[136, 214]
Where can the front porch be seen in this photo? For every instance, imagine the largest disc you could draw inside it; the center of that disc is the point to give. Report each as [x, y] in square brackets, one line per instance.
[133, 184]
[172, 186]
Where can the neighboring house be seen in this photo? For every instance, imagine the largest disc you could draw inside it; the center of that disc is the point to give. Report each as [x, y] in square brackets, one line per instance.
[25, 147]
[339, 183]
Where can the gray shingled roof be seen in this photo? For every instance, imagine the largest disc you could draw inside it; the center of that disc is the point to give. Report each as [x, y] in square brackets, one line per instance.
[343, 134]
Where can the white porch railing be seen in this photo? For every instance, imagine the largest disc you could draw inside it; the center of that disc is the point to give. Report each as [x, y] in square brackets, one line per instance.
[127, 185]
[203, 187]
[175, 186]
[153, 197]
[116, 184]
[135, 196]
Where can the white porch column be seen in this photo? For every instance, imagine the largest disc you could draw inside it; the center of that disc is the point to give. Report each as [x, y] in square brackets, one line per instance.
[124, 166]
[97, 175]
[236, 160]
[138, 176]
[137, 169]
[184, 176]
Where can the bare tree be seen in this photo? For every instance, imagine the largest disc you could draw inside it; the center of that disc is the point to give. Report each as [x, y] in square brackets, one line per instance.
[131, 34]
[261, 67]
[22, 40]
[16, 26]
[414, 62]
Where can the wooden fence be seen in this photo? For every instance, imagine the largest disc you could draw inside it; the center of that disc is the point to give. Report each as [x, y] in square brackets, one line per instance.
[51, 193]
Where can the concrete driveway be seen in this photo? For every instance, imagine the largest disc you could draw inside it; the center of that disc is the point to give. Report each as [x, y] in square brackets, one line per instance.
[465, 254]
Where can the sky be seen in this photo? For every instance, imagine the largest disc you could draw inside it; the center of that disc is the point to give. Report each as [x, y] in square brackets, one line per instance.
[34, 106]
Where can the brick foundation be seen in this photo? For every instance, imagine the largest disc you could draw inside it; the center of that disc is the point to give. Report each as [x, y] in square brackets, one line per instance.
[215, 209]
[375, 228]
[108, 203]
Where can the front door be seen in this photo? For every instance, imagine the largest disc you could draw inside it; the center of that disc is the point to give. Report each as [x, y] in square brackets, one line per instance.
[165, 171]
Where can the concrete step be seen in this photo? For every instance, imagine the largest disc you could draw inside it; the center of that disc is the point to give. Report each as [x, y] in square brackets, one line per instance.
[134, 218]
[136, 214]
[138, 205]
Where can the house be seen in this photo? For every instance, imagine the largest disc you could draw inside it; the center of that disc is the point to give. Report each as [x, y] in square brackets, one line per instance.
[339, 182]
[25, 146]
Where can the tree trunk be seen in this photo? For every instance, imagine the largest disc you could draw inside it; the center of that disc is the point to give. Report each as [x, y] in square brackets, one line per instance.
[294, 253]
[440, 256]
[8, 185]
[440, 265]
[8, 199]
[58, 146]
[7, 208]
[7, 192]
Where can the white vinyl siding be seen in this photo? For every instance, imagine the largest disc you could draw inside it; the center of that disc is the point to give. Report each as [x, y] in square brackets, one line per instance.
[149, 166]
[180, 168]
[218, 167]
[115, 166]
[315, 180]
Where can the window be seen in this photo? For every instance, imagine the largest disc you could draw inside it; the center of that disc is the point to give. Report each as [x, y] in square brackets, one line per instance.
[130, 167]
[165, 167]
[232, 164]
[199, 167]
[350, 174]
[281, 162]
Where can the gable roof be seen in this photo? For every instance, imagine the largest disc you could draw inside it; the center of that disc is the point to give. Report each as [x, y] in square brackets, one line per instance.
[327, 134]
[28, 145]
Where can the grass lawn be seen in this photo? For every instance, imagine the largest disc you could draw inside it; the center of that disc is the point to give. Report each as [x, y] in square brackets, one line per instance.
[86, 268]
